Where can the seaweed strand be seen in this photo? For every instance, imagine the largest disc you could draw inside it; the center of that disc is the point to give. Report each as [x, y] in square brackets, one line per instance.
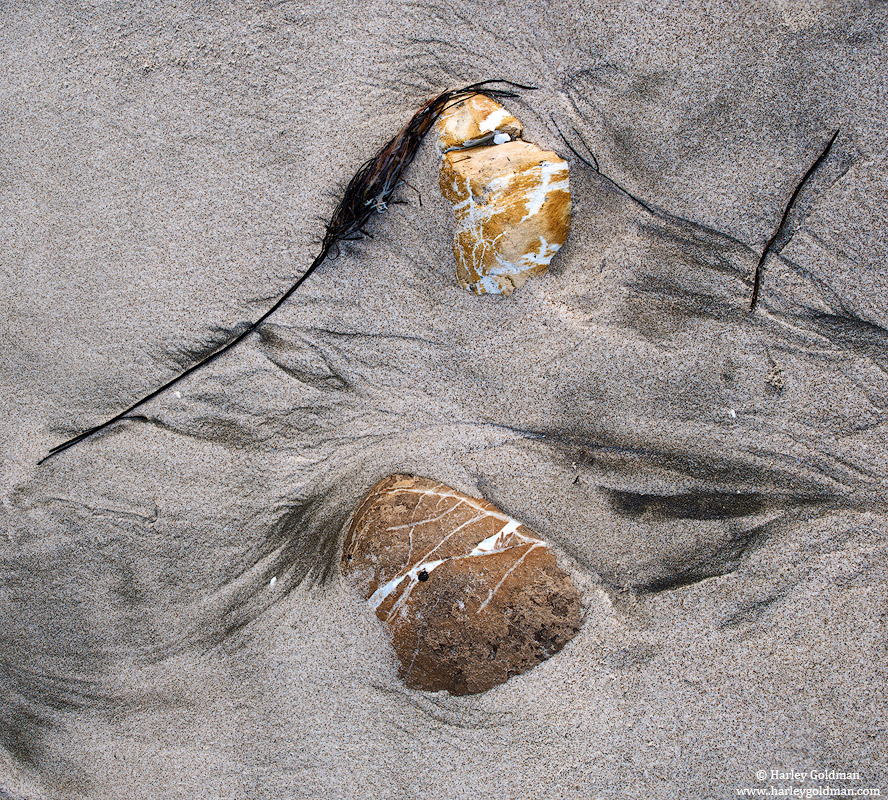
[368, 192]
[769, 247]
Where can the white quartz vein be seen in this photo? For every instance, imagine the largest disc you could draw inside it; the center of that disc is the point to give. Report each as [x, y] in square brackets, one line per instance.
[414, 523]
[511, 569]
[504, 539]
[379, 596]
[537, 196]
[493, 119]
[466, 500]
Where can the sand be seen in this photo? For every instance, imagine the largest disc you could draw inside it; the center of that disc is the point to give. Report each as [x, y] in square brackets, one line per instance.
[715, 479]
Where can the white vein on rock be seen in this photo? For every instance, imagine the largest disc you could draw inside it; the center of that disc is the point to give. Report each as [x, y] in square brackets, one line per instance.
[504, 539]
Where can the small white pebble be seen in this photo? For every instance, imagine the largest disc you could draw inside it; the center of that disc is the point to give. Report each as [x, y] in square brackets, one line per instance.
[178, 394]
[501, 138]
[732, 414]
[272, 582]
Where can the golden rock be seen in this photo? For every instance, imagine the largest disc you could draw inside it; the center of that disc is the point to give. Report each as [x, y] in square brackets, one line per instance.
[511, 198]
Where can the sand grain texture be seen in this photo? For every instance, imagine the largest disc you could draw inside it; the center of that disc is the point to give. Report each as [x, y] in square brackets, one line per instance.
[718, 478]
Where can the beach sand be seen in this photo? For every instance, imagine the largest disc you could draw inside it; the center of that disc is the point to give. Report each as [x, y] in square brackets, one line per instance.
[714, 479]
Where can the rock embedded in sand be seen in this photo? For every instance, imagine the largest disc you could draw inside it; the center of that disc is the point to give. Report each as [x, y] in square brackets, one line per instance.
[468, 594]
[511, 198]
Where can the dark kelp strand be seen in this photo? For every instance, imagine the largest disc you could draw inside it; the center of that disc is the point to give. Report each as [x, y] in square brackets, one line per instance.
[369, 192]
[770, 246]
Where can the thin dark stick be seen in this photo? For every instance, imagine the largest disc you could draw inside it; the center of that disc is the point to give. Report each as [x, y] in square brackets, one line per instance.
[369, 192]
[206, 360]
[594, 165]
[757, 281]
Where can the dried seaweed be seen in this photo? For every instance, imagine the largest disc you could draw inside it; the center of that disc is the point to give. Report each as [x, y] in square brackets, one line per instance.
[369, 192]
[770, 246]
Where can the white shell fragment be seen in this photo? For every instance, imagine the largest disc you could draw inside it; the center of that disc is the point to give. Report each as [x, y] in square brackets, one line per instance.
[511, 198]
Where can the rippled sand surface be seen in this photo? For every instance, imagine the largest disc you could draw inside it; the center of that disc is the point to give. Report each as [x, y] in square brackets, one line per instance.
[172, 619]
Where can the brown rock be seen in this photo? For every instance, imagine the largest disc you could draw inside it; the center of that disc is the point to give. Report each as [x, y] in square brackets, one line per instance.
[468, 594]
[511, 200]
